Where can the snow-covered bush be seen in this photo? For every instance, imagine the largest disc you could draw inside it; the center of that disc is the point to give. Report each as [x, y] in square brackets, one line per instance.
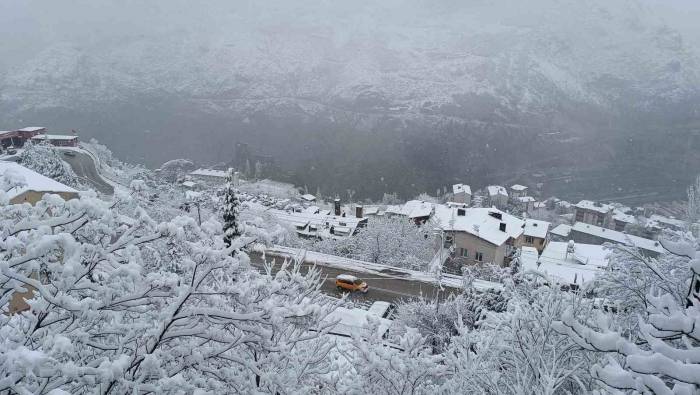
[663, 355]
[122, 304]
[440, 323]
[47, 160]
[518, 350]
[408, 367]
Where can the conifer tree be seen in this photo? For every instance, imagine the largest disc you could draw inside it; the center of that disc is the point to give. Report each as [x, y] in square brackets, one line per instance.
[232, 229]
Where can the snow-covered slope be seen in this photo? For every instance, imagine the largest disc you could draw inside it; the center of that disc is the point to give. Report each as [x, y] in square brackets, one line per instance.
[461, 59]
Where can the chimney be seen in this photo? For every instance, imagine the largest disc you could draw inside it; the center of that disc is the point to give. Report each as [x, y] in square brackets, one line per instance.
[336, 205]
[358, 211]
[461, 212]
[502, 226]
[496, 215]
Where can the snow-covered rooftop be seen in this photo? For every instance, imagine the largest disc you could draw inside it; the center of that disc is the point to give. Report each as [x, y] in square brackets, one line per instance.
[662, 221]
[594, 206]
[561, 230]
[353, 321]
[479, 222]
[54, 137]
[412, 209]
[518, 187]
[321, 223]
[618, 237]
[308, 197]
[622, 217]
[209, 173]
[31, 129]
[189, 184]
[577, 267]
[536, 228]
[32, 180]
[494, 190]
[461, 188]
[526, 199]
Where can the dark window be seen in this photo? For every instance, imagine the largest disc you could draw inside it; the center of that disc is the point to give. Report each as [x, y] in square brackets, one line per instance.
[479, 257]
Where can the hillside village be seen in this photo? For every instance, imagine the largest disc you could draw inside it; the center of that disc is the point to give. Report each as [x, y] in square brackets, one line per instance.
[501, 225]
[432, 248]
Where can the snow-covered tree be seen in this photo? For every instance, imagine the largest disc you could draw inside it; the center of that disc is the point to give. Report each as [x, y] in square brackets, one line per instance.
[663, 356]
[440, 325]
[388, 241]
[406, 367]
[231, 208]
[46, 160]
[109, 303]
[517, 351]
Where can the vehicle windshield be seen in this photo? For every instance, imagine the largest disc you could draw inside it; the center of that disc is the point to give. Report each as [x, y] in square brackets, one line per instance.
[358, 282]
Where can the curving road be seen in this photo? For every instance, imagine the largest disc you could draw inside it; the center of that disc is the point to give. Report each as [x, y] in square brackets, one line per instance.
[385, 288]
[84, 166]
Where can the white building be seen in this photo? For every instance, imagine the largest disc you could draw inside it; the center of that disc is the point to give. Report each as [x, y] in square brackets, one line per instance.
[535, 232]
[518, 190]
[461, 193]
[566, 263]
[591, 234]
[498, 196]
[479, 234]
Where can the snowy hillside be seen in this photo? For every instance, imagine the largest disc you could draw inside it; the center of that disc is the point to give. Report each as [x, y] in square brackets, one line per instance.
[466, 61]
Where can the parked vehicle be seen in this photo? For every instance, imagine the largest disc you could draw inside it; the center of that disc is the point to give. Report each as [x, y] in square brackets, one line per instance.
[350, 283]
[69, 153]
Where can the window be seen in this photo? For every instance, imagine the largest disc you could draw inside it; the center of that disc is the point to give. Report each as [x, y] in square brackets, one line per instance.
[579, 215]
[529, 239]
[464, 253]
[479, 257]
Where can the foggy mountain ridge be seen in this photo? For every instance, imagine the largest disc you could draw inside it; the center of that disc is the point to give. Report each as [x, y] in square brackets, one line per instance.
[414, 78]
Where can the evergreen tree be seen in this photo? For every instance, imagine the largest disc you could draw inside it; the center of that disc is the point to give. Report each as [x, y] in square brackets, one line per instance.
[232, 228]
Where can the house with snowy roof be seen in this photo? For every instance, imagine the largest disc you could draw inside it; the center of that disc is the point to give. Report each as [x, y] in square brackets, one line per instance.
[30, 185]
[526, 203]
[605, 215]
[461, 193]
[312, 223]
[57, 140]
[497, 196]
[566, 263]
[479, 235]
[517, 191]
[592, 234]
[535, 233]
[416, 210]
